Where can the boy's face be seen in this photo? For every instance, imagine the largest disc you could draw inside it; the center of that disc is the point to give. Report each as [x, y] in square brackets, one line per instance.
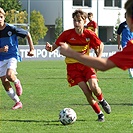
[78, 23]
[90, 17]
[129, 21]
[2, 18]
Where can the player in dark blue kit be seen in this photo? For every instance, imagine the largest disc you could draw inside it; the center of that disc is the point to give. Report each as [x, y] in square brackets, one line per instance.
[123, 36]
[9, 56]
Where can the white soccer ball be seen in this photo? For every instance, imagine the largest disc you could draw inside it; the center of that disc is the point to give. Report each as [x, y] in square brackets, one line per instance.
[67, 116]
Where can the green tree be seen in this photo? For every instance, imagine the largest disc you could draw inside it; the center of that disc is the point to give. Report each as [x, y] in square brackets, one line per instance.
[13, 9]
[116, 27]
[37, 26]
[13, 16]
[7, 5]
[58, 27]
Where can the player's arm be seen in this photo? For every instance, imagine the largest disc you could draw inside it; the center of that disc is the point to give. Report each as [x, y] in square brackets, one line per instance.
[97, 63]
[119, 32]
[99, 50]
[50, 47]
[95, 30]
[119, 42]
[24, 33]
[30, 42]
[102, 64]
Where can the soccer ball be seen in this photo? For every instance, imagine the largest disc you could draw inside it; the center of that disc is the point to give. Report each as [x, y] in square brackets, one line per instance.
[67, 116]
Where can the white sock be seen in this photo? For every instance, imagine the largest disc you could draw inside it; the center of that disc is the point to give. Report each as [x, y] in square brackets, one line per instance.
[131, 71]
[100, 113]
[101, 100]
[13, 95]
[16, 81]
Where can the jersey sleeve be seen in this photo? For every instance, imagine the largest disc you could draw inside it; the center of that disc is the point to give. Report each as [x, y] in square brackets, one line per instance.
[120, 28]
[62, 38]
[94, 40]
[95, 24]
[124, 59]
[21, 32]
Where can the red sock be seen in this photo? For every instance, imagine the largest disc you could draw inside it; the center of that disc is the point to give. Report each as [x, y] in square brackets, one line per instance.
[96, 108]
[100, 97]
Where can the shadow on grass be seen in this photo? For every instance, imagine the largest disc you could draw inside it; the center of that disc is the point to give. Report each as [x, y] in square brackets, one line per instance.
[114, 78]
[117, 104]
[65, 78]
[46, 123]
[52, 122]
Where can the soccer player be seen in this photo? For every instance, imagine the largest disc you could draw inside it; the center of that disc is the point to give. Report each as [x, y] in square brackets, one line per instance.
[122, 59]
[9, 56]
[80, 39]
[123, 36]
[92, 25]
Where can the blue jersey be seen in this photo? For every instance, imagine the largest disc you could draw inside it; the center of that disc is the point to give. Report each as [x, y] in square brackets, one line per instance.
[8, 36]
[125, 33]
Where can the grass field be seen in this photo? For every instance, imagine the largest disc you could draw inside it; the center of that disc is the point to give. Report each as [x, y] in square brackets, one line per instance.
[46, 92]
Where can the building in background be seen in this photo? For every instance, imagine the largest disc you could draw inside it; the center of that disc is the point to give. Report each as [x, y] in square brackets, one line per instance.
[105, 14]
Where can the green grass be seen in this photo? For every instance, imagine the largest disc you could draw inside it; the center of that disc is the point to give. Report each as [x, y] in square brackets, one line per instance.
[46, 92]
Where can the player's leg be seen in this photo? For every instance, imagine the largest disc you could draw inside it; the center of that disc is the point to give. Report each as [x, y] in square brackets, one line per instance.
[10, 91]
[98, 93]
[130, 70]
[6, 84]
[91, 100]
[11, 75]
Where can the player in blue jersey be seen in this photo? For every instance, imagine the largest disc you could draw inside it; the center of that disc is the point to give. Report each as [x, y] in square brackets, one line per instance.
[123, 36]
[9, 56]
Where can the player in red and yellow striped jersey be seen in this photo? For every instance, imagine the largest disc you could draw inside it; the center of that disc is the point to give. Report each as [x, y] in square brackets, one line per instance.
[122, 59]
[92, 25]
[81, 40]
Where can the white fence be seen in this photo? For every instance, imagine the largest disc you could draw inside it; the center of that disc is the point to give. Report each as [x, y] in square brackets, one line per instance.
[42, 54]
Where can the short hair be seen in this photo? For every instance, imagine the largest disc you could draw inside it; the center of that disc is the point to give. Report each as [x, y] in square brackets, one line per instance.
[129, 8]
[2, 11]
[90, 14]
[80, 13]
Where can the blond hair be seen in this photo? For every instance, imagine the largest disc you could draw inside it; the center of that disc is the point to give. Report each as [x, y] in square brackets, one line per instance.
[2, 11]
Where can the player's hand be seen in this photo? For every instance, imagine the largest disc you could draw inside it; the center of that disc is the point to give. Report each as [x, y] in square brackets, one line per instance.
[5, 48]
[65, 49]
[48, 47]
[120, 47]
[31, 53]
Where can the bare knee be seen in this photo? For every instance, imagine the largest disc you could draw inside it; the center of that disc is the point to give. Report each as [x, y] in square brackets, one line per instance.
[10, 75]
[95, 88]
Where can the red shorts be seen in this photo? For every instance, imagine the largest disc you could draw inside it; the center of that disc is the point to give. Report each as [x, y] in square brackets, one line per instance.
[78, 72]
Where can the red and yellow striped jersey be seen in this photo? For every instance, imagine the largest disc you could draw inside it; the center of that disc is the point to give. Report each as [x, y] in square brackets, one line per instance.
[92, 25]
[80, 43]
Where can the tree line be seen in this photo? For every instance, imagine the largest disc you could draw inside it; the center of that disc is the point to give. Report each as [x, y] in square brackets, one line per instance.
[19, 17]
